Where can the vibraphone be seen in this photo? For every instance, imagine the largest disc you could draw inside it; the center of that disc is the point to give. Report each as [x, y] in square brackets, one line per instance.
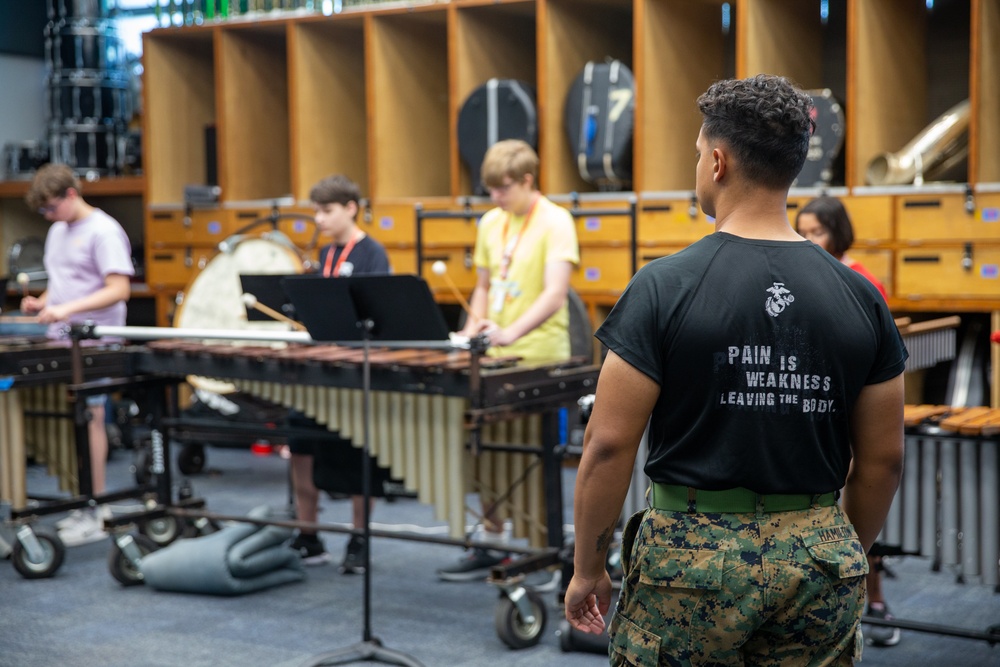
[948, 504]
[36, 412]
[446, 422]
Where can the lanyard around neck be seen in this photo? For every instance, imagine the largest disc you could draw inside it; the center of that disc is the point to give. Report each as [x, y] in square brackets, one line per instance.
[511, 246]
[343, 256]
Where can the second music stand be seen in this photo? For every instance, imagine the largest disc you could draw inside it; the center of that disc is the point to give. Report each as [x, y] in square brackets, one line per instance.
[389, 310]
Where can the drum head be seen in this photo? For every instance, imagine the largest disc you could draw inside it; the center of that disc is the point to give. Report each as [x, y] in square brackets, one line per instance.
[214, 299]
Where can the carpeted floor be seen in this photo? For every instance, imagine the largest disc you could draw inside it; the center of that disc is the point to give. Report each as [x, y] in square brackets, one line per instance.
[82, 617]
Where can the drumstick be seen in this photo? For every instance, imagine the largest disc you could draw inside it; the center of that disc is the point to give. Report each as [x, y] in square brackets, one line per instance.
[441, 269]
[251, 302]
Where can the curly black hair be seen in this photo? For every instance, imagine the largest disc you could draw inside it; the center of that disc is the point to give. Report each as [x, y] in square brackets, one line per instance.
[765, 120]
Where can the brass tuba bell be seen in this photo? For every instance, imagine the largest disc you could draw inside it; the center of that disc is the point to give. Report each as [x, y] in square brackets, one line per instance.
[940, 146]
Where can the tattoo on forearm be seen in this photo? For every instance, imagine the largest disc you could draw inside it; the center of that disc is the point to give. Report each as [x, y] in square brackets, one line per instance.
[604, 539]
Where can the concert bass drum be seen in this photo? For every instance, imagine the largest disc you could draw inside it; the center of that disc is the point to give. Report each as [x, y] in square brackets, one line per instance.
[214, 298]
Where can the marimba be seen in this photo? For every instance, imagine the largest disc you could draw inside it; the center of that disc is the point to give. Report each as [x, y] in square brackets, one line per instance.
[445, 422]
[36, 413]
[948, 503]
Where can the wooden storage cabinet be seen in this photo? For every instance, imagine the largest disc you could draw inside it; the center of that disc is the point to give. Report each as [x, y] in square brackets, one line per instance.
[946, 217]
[671, 218]
[572, 33]
[602, 270]
[328, 128]
[910, 66]
[966, 271]
[681, 48]
[180, 103]
[174, 268]
[487, 40]
[179, 227]
[408, 106]
[254, 157]
[647, 254]
[375, 94]
[458, 261]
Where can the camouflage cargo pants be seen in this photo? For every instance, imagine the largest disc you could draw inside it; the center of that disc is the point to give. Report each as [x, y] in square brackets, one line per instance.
[785, 588]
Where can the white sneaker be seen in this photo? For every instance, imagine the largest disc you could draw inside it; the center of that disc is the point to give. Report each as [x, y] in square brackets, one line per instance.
[89, 529]
[70, 519]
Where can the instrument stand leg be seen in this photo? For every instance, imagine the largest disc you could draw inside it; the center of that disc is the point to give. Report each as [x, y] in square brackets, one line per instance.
[370, 648]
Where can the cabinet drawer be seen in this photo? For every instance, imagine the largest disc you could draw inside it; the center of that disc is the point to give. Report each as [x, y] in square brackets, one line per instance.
[393, 223]
[402, 260]
[166, 229]
[878, 261]
[450, 231]
[300, 228]
[602, 270]
[460, 269]
[663, 221]
[175, 267]
[603, 225]
[647, 254]
[970, 271]
[944, 217]
[871, 215]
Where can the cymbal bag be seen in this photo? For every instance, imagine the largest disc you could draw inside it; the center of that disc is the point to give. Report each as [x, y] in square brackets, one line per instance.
[498, 109]
[600, 118]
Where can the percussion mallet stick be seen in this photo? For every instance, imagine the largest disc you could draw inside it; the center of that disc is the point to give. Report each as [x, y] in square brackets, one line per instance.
[441, 269]
[251, 302]
[23, 279]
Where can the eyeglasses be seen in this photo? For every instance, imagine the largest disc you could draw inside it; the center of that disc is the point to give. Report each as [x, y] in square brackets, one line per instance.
[51, 208]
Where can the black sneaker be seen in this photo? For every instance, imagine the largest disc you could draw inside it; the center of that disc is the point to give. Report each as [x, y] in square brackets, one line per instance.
[882, 635]
[311, 549]
[355, 556]
[474, 565]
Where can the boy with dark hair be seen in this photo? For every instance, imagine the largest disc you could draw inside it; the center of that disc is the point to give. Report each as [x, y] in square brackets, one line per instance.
[336, 201]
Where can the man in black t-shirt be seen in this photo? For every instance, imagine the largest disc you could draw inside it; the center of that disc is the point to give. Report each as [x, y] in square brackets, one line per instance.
[336, 200]
[770, 376]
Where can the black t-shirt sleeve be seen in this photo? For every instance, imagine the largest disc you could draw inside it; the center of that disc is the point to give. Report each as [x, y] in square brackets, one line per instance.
[632, 328]
[892, 354]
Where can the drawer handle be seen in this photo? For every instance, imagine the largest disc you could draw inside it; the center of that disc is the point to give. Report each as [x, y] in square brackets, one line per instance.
[657, 208]
[247, 215]
[928, 203]
[163, 216]
[163, 258]
[922, 259]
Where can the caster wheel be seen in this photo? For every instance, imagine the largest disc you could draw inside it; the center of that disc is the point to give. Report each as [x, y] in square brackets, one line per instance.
[122, 569]
[191, 459]
[200, 527]
[512, 629]
[53, 552]
[161, 531]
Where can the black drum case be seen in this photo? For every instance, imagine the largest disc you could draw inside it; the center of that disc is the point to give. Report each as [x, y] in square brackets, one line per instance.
[498, 109]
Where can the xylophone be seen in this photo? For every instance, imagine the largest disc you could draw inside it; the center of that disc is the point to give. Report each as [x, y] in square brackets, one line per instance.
[36, 412]
[426, 407]
[948, 503]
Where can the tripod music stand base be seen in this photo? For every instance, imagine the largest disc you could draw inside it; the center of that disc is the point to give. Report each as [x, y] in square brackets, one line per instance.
[370, 650]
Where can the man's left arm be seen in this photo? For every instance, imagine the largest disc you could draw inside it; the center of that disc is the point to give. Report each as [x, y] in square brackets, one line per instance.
[624, 400]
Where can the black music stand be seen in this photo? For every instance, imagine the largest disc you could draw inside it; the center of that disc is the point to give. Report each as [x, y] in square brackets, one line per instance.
[385, 309]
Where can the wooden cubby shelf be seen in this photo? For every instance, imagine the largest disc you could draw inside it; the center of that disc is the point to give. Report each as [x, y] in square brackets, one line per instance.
[375, 93]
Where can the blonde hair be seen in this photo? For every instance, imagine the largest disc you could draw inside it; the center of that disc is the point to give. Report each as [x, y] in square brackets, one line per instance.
[511, 158]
